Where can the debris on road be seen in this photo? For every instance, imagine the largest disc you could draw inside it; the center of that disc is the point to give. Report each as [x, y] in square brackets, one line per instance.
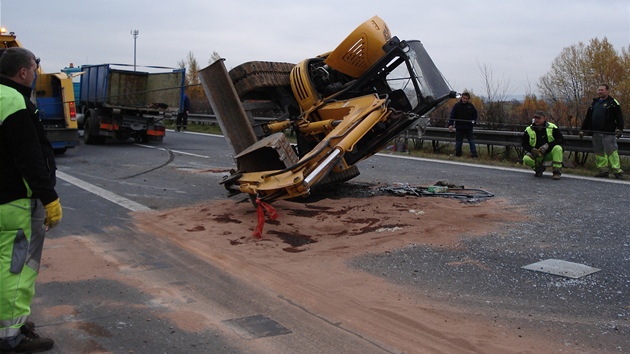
[439, 189]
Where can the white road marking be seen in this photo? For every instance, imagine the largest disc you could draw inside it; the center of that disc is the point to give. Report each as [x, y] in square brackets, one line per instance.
[175, 151]
[500, 168]
[445, 162]
[105, 194]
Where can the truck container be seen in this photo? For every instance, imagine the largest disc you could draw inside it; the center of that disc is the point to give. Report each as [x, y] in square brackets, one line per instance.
[125, 104]
[53, 94]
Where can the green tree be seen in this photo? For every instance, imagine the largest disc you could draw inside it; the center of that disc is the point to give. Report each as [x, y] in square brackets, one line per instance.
[576, 73]
[622, 88]
[198, 100]
[525, 111]
[604, 63]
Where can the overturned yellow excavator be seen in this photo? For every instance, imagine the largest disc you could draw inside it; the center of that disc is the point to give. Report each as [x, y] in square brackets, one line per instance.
[342, 107]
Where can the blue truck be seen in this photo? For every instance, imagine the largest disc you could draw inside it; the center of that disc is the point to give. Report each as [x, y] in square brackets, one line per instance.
[123, 104]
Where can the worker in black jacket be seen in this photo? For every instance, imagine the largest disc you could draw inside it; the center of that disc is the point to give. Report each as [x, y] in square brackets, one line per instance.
[604, 121]
[29, 204]
[463, 118]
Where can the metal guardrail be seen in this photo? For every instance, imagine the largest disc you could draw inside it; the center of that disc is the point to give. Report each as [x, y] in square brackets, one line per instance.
[514, 139]
[482, 137]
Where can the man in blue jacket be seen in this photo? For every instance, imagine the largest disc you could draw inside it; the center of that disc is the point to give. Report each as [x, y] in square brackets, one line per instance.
[463, 118]
[182, 116]
[29, 204]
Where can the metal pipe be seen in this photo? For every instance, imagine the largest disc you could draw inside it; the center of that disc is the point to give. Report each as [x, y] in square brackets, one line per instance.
[227, 106]
[323, 167]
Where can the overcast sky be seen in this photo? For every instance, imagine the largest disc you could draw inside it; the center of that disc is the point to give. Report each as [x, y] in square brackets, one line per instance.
[518, 40]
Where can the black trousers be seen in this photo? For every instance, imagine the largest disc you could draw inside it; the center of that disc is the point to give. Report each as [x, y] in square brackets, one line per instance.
[182, 120]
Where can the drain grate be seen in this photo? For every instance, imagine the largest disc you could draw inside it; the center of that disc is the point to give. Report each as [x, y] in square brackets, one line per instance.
[561, 268]
[257, 326]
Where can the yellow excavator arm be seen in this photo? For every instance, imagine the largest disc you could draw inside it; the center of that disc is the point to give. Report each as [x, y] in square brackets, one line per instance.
[342, 107]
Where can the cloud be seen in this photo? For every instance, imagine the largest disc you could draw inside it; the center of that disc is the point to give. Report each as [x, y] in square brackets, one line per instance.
[518, 40]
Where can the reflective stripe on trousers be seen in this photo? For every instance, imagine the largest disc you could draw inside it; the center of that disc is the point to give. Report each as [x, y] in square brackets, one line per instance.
[555, 156]
[22, 234]
[606, 152]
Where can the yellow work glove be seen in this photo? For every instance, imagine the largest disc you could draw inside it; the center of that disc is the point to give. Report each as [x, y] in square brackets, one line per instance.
[53, 213]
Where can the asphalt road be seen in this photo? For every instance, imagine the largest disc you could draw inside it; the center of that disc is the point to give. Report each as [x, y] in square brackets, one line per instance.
[576, 219]
[99, 186]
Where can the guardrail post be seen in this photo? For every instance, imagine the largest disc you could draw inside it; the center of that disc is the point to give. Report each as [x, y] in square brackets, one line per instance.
[227, 107]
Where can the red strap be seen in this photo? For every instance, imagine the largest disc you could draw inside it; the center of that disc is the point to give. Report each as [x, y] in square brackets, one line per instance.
[260, 214]
[271, 211]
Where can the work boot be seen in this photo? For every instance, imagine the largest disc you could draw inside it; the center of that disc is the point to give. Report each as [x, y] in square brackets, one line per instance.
[602, 174]
[556, 175]
[618, 175]
[33, 345]
[538, 171]
[32, 342]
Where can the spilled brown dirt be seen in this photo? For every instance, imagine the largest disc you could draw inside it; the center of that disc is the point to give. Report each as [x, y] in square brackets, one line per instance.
[303, 257]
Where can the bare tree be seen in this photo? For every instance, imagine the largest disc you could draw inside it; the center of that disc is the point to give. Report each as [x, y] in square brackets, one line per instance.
[215, 56]
[568, 80]
[497, 96]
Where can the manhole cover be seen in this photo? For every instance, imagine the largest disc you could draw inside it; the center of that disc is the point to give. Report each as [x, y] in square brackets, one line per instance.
[257, 326]
[561, 268]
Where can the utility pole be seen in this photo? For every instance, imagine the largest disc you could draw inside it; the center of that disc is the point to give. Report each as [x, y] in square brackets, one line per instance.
[134, 33]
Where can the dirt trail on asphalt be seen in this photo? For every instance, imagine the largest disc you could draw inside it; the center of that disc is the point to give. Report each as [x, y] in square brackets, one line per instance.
[303, 257]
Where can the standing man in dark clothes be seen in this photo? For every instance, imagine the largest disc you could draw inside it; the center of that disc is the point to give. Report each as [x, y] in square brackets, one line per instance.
[29, 204]
[182, 116]
[604, 121]
[463, 118]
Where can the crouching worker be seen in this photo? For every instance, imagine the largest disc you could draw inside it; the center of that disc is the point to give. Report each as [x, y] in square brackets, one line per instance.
[543, 141]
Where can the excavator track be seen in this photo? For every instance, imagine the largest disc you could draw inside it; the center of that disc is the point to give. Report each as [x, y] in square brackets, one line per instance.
[253, 79]
[338, 177]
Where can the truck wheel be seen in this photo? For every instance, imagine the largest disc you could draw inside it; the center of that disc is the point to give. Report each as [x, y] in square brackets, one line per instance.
[90, 128]
[87, 136]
